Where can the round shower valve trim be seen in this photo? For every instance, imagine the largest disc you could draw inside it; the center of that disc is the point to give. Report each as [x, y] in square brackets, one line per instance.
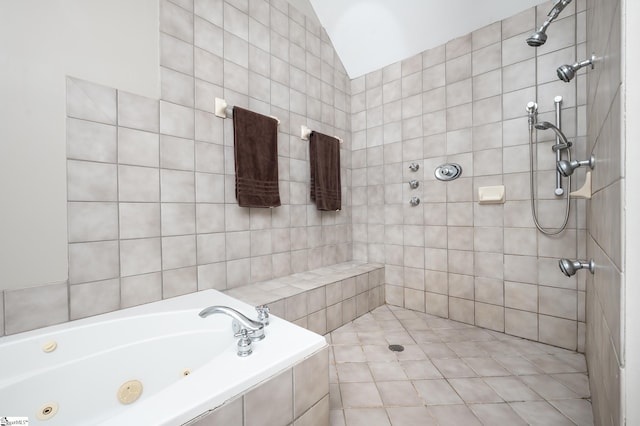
[448, 171]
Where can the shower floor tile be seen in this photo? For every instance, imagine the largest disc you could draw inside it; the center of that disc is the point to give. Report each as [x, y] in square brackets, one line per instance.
[450, 374]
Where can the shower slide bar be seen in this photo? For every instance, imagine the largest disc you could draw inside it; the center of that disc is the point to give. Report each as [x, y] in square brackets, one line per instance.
[558, 102]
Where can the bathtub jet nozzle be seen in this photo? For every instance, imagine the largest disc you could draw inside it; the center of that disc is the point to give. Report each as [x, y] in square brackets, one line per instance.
[570, 267]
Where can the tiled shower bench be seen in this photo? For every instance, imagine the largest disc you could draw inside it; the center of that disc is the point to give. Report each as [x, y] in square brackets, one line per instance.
[320, 300]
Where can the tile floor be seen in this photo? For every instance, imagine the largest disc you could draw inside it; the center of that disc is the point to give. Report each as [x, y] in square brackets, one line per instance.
[450, 374]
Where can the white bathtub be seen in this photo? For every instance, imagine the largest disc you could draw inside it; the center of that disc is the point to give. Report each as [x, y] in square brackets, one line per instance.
[154, 344]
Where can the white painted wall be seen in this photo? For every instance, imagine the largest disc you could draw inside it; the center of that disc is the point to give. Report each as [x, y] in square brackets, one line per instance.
[630, 66]
[112, 42]
[370, 34]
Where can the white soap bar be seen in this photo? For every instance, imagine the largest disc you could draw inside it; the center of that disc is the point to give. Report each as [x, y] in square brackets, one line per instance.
[491, 194]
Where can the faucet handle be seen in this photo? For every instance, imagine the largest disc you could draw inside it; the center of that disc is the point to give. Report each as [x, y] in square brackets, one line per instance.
[263, 314]
[244, 344]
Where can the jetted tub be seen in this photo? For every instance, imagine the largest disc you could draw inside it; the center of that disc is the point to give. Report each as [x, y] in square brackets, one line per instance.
[87, 372]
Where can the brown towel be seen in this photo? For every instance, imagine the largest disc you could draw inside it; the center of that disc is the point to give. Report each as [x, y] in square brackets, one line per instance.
[256, 157]
[324, 159]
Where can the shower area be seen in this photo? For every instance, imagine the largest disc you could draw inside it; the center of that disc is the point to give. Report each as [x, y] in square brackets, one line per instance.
[489, 176]
[524, 119]
[465, 103]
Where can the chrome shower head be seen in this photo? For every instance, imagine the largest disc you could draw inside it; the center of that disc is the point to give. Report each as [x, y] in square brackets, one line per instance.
[539, 37]
[567, 72]
[570, 267]
[566, 168]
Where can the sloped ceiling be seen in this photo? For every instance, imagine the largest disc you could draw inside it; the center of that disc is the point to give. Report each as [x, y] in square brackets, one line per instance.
[370, 34]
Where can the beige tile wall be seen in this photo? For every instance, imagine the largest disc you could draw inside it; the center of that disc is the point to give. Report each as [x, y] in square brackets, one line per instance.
[301, 395]
[605, 238]
[152, 209]
[465, 102]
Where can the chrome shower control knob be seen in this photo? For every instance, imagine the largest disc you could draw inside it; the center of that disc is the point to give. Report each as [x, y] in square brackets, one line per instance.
[414, 167]
[414, 184]
[414, 201]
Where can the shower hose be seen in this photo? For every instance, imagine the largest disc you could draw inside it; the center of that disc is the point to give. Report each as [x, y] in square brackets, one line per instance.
[546, 231]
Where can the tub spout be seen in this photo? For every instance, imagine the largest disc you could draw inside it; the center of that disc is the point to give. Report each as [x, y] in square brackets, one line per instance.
[255, 329]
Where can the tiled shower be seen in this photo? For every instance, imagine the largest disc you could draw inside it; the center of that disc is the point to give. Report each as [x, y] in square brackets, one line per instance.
[464, 102]
[151, 207]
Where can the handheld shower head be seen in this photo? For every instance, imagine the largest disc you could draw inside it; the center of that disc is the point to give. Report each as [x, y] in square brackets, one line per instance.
[539, 37]
[545, 125]
[566, 168]
[570, 267]
[567, 72]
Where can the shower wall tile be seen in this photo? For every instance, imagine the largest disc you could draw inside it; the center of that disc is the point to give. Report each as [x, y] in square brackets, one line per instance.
[139, 220]
[181, 281]
[93, 261]
[521, 323]
[138, 184]
[90, 141]
[92, 221]
[487, 84]
[88, 181]
[138, 148]
[558, 332]
[176, 54]
[35, 307]
[94, 298]
[521, 74]
[486, 59]
[514, 49]
[458, 68]
[176, 120]
[176, 21]
[90, 101]
[139, 289]
[177, 87]
[521, 296]
[514, 24]
[486, 35]
[140, 256]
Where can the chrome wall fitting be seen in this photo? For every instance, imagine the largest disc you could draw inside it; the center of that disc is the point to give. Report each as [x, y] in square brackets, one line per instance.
[414, 201]
[414, 167]
[570, 267]
[566, 168]
[567, 72]
[414, 184]
[448, 171]
[539, 37]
